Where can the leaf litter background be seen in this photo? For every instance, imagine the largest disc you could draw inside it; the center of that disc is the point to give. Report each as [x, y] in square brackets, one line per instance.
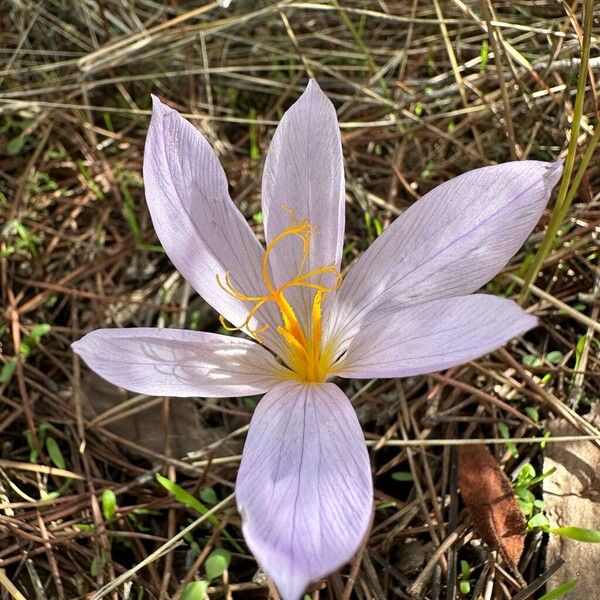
[421, 97]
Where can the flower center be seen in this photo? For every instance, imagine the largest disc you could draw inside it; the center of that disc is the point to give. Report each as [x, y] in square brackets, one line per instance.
[304, 355]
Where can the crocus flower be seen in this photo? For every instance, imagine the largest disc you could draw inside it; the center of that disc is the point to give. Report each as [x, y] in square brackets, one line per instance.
[406, 307]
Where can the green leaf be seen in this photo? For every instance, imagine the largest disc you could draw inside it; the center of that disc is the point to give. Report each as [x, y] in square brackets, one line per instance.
[578, 533]
[54, 453]
[53, 154]
[465, 569]
[15, 146]
[525, 495]
[37, 333]
[526, 507]
[538, 520]
[526, 474]
[108, 500]
[547, 435]
[533, 413]
[561, 590]
[505, 433]
[8, 370]
[554, 357]
[530, 360]
[484, 55]
[542, 476]
[464, 586]
[526, 500]
[195, 590]
[208, 495]
[378, 227]
[218, 560]
[188, 500]
[579, 350]
[250, 403]
[97, 565]
[47, 496]
[402, 476]
[185, 497]
[24, 348]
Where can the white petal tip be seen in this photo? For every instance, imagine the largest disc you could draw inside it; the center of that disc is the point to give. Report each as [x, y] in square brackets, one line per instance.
[313, 89]
[80, 345]
[530, 322]
[160, 109]
[554, 172]
[156, 102]
[291, 588]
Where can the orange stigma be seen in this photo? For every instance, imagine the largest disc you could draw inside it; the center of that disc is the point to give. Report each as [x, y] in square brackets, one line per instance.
[305, 356]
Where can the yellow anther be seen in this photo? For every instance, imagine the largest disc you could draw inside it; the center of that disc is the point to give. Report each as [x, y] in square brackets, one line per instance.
[305, 356]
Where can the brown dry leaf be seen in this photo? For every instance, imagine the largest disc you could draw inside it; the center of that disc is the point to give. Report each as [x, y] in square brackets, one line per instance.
[146, 426]
[492, 504]
[572, 498]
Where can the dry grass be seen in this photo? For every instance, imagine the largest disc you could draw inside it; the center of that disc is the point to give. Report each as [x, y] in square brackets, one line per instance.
[425, 91]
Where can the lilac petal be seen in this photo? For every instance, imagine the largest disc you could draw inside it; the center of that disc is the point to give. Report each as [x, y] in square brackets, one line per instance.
[449, 243]
[433, 336]
[304, 486]
[197, 223]
[304, 179]
[178, 362]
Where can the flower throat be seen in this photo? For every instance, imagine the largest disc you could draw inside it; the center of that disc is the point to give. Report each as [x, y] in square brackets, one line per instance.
[305, 356]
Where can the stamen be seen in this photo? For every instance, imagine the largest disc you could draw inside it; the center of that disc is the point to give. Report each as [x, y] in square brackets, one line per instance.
[228, 287]
[306, 358]
[300, 281]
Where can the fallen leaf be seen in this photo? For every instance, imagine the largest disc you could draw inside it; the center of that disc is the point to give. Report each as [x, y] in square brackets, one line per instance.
[491, 502]
[185, 431]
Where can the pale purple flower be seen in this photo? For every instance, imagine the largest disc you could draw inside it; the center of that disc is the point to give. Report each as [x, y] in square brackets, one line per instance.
[406, 307]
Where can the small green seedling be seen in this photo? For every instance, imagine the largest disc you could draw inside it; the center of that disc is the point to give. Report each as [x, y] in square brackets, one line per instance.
[209, 496]
[108, 499]
[505, 433]
[533, 508]
[27, 345]
[464, 583]
[484, 56]
[217, 563]
[55, 453]
[195, 590]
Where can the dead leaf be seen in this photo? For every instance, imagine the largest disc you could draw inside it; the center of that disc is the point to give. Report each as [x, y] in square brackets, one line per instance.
[572, 498]
[185, 429]
[491, 502]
